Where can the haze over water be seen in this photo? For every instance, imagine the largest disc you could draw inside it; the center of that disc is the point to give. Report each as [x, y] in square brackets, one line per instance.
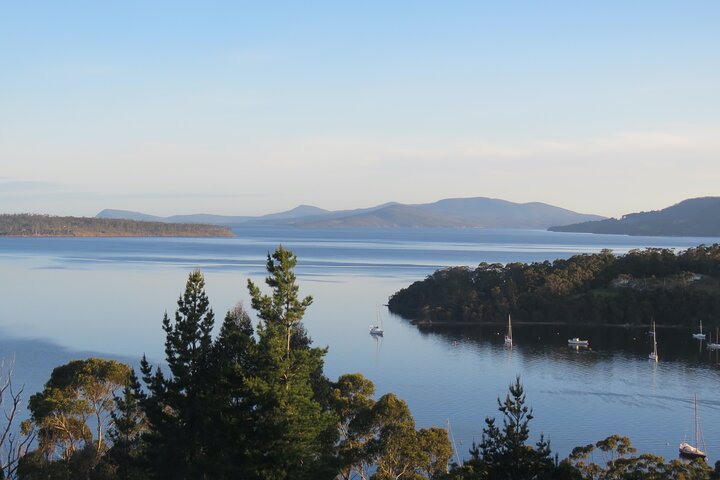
[63, 296]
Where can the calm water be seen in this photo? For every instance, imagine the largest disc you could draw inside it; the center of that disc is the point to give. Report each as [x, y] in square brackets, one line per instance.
[62, 297]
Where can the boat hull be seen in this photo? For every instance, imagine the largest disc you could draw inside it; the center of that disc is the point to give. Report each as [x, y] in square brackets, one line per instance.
[688, 451]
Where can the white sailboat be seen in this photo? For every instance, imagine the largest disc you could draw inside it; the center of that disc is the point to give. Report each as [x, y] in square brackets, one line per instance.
[701, 335]
[690, 451]
[714, 346]
[654, 354]
[377, 329]
[508, 335]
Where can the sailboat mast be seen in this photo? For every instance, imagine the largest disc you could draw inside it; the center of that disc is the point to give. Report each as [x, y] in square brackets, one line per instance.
[696, 423]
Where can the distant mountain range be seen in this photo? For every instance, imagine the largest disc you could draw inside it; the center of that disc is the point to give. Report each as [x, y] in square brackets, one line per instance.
[695, 217]
[454, 212]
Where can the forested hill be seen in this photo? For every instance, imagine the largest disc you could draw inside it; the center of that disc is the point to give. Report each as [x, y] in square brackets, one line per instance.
[672, 289]
[30, 225]
[696, 217]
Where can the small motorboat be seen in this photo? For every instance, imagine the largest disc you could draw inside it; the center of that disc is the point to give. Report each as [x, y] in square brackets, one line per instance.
[576, 342]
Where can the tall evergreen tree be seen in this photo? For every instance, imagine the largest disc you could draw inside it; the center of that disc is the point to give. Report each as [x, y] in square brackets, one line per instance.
[294, 430]
[128, 425]
[179, 407]
[234, 358]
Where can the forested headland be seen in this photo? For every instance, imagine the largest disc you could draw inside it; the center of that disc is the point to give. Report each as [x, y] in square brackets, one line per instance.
[674, 289]
[34, 225]
[252, 402]
[694, 217]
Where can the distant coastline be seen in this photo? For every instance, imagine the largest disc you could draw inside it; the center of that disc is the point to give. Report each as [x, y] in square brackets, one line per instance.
[35, 225]
[694, 217]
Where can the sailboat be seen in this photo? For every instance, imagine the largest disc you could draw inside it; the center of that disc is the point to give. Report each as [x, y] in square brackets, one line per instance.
[654, 354]
[508, 335]
[577, 342]
[377, 329]
[701, 335]
[714, 346]
[689, 451]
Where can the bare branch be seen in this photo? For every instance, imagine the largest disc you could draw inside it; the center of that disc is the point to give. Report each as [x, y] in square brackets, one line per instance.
[13, 443]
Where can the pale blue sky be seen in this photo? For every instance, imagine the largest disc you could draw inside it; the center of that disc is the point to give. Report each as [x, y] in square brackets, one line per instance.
[241, 108]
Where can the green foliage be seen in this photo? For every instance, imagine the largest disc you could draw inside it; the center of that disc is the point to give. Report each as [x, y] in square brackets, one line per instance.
[351, 400]
[503, 453]
[296, 430]
[180, 407]
[598, 288]
[77, 397]
[129, 423]
[75, 392]
[620, 464]
[283, 309]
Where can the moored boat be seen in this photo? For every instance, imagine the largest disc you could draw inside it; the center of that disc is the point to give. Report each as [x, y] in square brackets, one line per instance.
[654, 354]
[693, 451]
[508, 335]
[576, 342]
[377, 329]
[701, 335]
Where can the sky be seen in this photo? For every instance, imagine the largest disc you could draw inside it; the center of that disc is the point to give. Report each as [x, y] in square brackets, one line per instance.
[247, 108]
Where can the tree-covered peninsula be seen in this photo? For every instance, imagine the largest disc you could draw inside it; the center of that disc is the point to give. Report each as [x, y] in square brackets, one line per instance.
[655, 283]
[33, 225]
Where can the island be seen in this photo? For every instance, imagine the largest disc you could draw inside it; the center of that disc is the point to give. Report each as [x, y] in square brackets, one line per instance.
[673, 289]
[35, 225]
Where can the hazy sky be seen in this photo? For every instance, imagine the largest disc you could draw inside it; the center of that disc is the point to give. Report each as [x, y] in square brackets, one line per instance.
[234, 107]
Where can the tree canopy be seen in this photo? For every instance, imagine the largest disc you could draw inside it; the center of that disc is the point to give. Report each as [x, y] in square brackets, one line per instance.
[671, 288]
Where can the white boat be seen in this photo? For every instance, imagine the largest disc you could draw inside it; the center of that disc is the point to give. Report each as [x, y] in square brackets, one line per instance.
[576, 342]
[693, 451]
[654, 354]
[377, 329]
[713, 346]
[701, 335]
[508, 335]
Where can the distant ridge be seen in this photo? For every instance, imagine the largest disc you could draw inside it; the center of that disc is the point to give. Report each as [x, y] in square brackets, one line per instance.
[451, 212]
[128, 215]
[695, 217]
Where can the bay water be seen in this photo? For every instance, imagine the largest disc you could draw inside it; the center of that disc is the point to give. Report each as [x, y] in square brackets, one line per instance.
[67, 298]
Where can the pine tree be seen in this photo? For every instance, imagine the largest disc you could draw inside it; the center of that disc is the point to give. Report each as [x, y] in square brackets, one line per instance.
[128, 425]
[503, 452]
[294, 431]
[179, 408]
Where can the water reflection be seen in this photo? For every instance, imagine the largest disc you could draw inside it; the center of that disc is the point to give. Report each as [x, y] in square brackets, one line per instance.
[674, 344]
